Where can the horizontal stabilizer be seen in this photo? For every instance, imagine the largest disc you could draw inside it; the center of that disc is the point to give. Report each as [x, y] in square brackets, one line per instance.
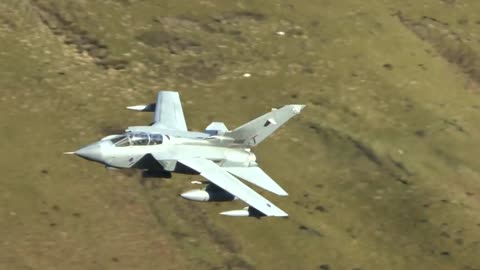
[257, 176]
[216, 128]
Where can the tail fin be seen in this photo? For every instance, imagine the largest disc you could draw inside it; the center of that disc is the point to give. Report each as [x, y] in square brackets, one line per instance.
[257, 130]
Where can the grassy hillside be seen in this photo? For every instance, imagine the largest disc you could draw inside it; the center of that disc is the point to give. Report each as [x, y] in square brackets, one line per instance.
[382, 166]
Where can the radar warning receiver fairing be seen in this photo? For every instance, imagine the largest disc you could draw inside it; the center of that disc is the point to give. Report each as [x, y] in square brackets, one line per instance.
[218, 154]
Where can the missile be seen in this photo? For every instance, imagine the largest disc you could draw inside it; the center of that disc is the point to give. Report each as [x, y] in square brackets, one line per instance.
[201, 195]
[245, 212]
[195, 182]
[236, 213]
[143, 107]
[197, 195]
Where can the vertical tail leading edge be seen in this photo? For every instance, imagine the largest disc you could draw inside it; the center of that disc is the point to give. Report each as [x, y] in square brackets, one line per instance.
[257, 130]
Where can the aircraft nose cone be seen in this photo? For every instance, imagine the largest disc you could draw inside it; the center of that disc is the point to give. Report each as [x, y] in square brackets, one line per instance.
[91, 152]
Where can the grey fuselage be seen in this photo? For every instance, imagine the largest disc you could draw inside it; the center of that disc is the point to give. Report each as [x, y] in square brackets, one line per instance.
[154, 151]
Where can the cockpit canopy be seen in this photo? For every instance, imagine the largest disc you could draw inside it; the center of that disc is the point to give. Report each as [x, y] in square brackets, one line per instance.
[137, 138]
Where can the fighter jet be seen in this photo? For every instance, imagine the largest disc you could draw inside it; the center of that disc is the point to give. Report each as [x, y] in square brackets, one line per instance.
[218, 154]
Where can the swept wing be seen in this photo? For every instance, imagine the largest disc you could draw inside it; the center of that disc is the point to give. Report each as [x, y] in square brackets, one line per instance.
[258, 177]
[168, 111]
[228, 182]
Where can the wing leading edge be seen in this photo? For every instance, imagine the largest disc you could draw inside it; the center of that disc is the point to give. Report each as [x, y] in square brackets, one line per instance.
[228, 182]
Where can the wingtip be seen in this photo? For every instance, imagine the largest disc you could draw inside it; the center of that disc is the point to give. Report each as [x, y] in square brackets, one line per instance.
[297, 108]
[281, 213]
